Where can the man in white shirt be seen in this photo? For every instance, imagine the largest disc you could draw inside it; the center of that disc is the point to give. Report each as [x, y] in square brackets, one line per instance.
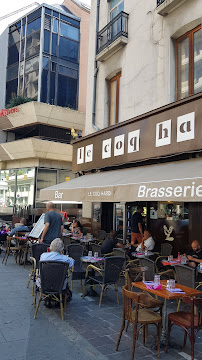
[147, 242]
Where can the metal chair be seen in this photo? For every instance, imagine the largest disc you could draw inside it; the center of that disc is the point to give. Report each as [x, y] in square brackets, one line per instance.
[96, 248]
[52, 278]
[136, 313]
[36, 251]
[105, 277]
[188, 321]
[75, 251]
[17, 249]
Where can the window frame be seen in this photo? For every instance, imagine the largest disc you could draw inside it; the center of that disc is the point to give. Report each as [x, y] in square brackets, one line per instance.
[112, 9]
[117, 78]
[190, 36]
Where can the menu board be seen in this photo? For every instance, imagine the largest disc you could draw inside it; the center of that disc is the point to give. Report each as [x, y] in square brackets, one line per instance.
[38, 228]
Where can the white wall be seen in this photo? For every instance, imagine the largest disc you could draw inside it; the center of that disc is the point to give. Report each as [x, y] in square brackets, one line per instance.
[3, 65]
[147, 62]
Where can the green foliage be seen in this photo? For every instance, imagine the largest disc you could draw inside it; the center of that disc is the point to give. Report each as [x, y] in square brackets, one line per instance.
[17, 100]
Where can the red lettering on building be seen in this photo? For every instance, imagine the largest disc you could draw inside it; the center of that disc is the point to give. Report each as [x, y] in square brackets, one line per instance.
[5, 112]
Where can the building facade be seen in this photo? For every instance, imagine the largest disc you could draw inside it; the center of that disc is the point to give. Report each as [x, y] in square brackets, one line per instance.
[43, 58]
[143, 120]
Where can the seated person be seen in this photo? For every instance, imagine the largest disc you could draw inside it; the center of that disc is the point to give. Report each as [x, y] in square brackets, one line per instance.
[195, 254]
[21, 228]
[110, 242]
[77, 228]
[71, 228]
[147, 242]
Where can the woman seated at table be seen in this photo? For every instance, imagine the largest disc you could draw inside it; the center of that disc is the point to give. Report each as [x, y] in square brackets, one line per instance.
[147, 242]
[77, 229]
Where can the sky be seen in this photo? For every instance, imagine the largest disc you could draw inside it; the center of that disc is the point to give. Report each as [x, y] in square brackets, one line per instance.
[7, 7]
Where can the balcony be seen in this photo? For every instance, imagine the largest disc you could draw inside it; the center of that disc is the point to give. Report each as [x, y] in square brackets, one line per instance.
[112, 37]
[165, 7]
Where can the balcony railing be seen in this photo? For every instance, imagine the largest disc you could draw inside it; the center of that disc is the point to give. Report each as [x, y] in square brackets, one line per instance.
[116, 28]
[159, 2]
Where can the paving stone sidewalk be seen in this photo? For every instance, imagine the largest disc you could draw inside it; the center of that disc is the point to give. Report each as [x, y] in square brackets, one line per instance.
[87, 332]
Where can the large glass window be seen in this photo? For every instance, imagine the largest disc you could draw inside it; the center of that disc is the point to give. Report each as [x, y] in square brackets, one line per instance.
[34, 26]
[11, 89]
[32, 64]
[7, 186]
[68, 72]
[44, 80]
[46, 41]
[45, 178]
[69, 31]
[14, 37]
[189, 63]
[13, 54]
[69, 20]
[114, 86]
[25, 187]
[55, 25]
[54, 44]
[52, 88]
[68, 49]
[67, 92]
[33, 44]
[12, 72]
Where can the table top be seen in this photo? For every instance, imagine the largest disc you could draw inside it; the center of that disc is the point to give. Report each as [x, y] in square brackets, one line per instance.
[164, 293]
[91, 259]
[142, 255]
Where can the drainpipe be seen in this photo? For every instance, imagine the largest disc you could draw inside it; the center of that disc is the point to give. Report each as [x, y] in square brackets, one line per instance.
[95, 68]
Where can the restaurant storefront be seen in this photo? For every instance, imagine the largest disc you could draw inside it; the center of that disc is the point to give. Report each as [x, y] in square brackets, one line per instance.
[154, 159]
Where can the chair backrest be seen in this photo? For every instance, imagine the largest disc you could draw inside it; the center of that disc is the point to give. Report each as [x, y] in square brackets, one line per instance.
[75, 251]
[150, 272]
[129, 299]
[37, 250]
[194, 302]
[185, 275]
[166, 249]
[102, 234]
[112, 268]
[85, 231]
[119, 252]
[96, 248]
[52, 275]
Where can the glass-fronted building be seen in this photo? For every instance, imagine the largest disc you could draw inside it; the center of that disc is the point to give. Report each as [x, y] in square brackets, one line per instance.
[43, 57]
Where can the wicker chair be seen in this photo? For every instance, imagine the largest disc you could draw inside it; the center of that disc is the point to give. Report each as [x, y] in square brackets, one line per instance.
[107, 277]
[52, 277]
[186, 276]
[188, 321]
[166, 250]
[96, 248]
[149, 274]
[17, 249]
[36, 251]
[136, 313]
[75, 251]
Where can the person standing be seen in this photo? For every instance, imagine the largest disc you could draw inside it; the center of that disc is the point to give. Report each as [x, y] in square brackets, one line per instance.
[53, 225]
[137, 228]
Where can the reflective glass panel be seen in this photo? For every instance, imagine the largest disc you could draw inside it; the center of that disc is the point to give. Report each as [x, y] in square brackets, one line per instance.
[68, 72]
[11, 88]
[183, 68]
[45, 178]
[67, 92]
[33, 44]
[25, 187]
[12, 72]
[22, 49]
[55, 25]
[70, 20]
[13, 54]
[56, 14]
[47, 11]
[198, 61]
[44, 85]
[31, 85]
[7, 186]
[113, 88]
[21, 86]
[68, 49]
[54, 44]
[52, 88]
[14, 37]
[34, 26]
[69, 31]
[32, 64]
[34, 15]
[45, 63]
[46, 40]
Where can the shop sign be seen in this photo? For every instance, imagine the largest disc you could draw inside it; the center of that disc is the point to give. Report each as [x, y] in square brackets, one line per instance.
[67, 178]
[5, 112]
[172, 130]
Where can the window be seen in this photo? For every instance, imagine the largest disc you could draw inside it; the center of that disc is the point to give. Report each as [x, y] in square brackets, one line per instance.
[31, 84]
[68, 49]
[14, 37]
[34, 26]
[33, 44]
[46, 40]
[12, 72]
[69, 31]
[55, 25]
[67, 92]
[13, 54]
[116, 6]
[52, 88]
[189, 63]
[54, 44]
[44, 80]
[11, 88]
[69, 20]
[114, 86]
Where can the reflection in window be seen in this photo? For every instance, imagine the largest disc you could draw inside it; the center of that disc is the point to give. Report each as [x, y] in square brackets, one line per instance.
[21, 86]
[52, 88]
[34, 26]
[67, 92]
[33, 45]
[170, 211]
[46, 40]
[22, 50]
[25, 187]
[198, 61]
[11, 89]
[31, 85]
[45, 179]
[7, 184]
[14, 37]
[12, 72]
[54, 44]
[13, 54]
[68, 72]
[68, 49]
[69, 20]
[44, 85]
[69, 31]
[32, 64]
[55, 25]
